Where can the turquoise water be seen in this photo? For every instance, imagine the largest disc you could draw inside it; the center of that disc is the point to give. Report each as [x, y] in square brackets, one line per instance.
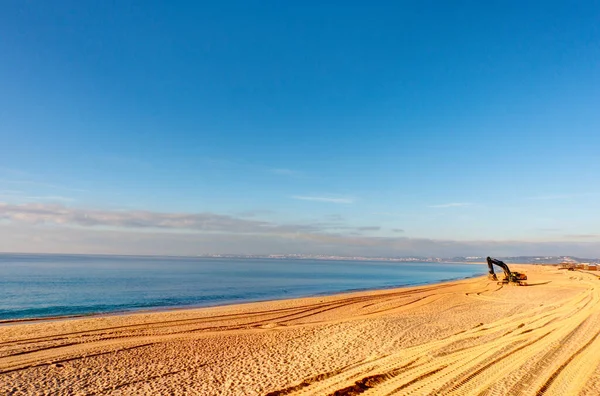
[56, 285]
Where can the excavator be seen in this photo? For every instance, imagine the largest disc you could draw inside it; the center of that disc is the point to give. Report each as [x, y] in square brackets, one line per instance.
[510, 278]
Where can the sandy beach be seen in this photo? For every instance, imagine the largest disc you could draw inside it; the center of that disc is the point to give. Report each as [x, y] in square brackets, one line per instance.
[468, 337]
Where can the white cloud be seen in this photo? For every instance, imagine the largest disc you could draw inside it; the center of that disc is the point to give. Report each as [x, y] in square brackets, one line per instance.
[56, 214]
[324, 199]
[51, 198]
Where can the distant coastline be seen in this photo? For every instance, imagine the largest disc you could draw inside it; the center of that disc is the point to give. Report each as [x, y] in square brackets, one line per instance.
[401, 259]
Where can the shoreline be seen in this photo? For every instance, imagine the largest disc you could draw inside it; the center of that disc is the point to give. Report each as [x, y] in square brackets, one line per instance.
[468, 336]
[11, 321]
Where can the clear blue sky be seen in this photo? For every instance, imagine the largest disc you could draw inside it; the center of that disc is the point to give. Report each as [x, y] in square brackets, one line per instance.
[393, 128]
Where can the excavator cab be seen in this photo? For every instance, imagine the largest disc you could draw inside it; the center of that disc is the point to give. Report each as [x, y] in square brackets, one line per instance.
[510, 278]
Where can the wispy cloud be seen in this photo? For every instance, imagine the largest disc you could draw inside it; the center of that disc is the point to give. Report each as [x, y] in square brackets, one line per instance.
[582, 236]
[51, 198]
[369, 228]
[336, 200]
[451, 205]
[255, 213]
[61, 215]
[398, 230]
[47, 213]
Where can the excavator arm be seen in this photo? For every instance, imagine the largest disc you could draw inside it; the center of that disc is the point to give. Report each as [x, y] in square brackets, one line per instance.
[491, 262]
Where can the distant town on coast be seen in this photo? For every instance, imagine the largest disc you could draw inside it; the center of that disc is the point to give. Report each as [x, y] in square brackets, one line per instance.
[416, 259]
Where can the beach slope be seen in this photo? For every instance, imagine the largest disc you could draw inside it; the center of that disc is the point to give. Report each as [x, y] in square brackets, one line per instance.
[469, 337]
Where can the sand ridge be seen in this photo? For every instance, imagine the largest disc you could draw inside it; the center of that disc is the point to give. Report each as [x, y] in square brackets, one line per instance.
[469, 337]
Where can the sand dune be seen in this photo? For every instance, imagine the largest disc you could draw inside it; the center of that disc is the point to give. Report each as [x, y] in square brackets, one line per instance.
[469, 337]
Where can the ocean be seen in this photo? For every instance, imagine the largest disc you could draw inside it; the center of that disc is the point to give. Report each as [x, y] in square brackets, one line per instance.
[37, 286]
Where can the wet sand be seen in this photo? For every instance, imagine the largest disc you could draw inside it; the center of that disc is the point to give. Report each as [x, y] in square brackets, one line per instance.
[469, 337]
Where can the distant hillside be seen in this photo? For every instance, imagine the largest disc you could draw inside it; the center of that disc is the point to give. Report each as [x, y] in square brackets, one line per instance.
[529, 259]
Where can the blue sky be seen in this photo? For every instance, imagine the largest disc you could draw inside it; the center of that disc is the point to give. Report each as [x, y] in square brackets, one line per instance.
[394, 128]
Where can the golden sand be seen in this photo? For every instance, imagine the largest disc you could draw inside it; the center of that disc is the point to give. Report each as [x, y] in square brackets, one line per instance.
[470, 337]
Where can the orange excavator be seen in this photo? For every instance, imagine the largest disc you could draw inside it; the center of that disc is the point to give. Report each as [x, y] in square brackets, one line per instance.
[511, 278]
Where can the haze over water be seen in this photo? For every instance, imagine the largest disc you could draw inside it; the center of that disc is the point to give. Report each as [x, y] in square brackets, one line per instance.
[55, 285]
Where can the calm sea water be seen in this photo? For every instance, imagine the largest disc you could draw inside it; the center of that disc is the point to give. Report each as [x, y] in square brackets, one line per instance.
[56, 285]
